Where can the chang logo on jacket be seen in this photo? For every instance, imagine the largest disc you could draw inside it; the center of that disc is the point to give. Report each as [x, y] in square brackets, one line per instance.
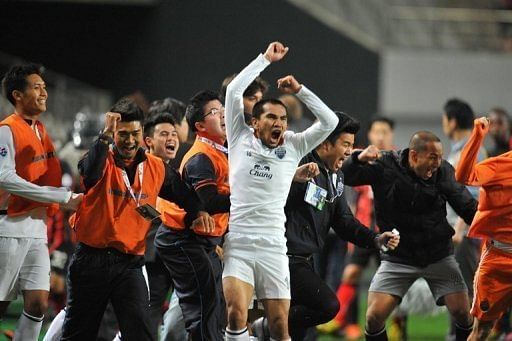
[261, 171]
[3, 151]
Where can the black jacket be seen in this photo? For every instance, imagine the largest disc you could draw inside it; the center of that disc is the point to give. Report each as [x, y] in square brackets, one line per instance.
[307, 227]
[415, 207]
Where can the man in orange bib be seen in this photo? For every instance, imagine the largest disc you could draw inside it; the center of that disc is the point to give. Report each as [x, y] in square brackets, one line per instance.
[493, 223]
[30, 180]
[122, 184]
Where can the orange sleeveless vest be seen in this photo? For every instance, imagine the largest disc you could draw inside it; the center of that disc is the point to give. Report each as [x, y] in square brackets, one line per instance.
[35, 161]
[107, 216]
[173, 216]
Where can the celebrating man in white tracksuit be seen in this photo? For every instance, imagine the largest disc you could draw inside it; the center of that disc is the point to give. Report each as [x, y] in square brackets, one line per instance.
[262, 163]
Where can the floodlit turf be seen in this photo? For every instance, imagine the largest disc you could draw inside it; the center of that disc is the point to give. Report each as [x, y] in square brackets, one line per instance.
[421, 328]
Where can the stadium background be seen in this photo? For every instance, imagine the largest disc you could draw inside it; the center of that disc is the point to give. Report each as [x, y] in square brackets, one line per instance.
[399, 58]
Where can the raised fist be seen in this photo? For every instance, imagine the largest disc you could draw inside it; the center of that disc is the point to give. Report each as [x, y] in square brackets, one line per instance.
[371, 153]
[275, 52]
[288, 85]
[111, 119]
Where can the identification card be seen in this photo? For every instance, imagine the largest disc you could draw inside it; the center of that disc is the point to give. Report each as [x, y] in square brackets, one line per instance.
[148, 212]
[315, 196]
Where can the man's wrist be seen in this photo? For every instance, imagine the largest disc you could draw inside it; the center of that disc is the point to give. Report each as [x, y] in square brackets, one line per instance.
[355, 157]
[376, 240]
[106, 138]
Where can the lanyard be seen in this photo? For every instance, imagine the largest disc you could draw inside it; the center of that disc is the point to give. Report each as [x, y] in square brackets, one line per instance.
[140, 170]
[332, 179]
[213, 144]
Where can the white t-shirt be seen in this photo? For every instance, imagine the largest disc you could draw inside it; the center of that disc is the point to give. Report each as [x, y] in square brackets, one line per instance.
[260, 177]
[31, 225]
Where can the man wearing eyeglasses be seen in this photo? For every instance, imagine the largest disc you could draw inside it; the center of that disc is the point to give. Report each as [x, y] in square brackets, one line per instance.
[311, 210]
[190, 255]
[411, 188]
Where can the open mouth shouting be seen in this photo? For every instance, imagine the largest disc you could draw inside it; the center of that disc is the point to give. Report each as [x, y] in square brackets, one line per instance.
[275, 136]
[339, 163]
[170, 147]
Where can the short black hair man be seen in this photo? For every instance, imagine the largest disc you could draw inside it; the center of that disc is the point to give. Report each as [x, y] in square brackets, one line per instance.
[307, 226]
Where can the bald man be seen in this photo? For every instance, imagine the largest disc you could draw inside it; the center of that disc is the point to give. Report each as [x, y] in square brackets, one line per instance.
[411, 188]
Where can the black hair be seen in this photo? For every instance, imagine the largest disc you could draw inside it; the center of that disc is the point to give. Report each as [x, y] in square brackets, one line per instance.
[346, 124]
[16, 79]
[194, 112]
[257, 110]
[168, 105]
[461, 112]
[382, 119]
[155, 119]
[259, 84]
[420, 139]
[129, 110]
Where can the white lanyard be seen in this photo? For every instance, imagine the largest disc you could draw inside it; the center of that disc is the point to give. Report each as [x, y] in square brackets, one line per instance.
[140, 169]
[213, 144]
[333, 178]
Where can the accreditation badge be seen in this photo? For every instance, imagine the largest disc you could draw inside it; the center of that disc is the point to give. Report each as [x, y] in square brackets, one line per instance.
[315, 196]
[148, 212]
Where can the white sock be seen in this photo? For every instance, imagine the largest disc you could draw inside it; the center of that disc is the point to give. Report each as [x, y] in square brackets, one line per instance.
[234, 335]
[28, 327]
[54, 333]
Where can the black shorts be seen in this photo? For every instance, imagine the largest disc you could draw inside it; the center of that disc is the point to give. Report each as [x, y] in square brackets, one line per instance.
[361, 256]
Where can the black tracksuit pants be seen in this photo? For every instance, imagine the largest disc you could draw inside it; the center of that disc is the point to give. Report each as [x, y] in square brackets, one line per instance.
[96, 276]
[312, 303]
[196, 272]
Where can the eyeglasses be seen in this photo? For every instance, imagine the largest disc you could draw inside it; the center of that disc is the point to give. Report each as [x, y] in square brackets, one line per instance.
[214, 111]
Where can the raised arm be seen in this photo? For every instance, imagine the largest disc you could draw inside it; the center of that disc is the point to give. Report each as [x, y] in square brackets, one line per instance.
[234, 115]
[327, 119]
[468, 171]
[92, 165]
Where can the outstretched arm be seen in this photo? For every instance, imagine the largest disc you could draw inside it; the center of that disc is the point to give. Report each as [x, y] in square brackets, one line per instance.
[234, 117]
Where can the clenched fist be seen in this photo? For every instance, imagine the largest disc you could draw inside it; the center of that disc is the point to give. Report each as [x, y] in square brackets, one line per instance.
[111, 119]
[371, 153]
[288, 85]
[275, 52]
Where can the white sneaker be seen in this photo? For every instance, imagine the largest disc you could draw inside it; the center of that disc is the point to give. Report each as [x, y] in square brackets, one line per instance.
[259, 328]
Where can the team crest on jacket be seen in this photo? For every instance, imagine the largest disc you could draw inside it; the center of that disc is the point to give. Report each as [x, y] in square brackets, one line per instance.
[280, 152]
[3, 151]
[339, 188]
